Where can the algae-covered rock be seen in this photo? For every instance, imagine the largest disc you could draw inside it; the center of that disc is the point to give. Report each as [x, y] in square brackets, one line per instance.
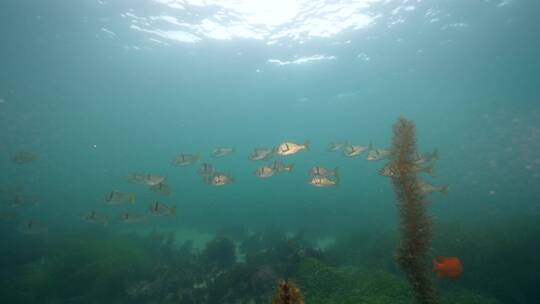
[319, 280]
[96, 268]
[463, 296]
[324, 284]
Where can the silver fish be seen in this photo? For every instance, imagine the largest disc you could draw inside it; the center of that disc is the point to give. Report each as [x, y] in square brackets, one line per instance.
[186, 159]
[354, 150]
[153, 179]
[336, 146]
[6, 216]
[130, 217]
[162, 188]
[323, 181]
[160, 209]
[281, 167]
[289, 148]
[147, 179]
[219, 179]
[117, 197]
[136, 177]
[427, 157]
[10, 189]
[96, 218]
[427, 188]
[377, 154]
[390, 170]
[261, 154]
[23, 157]
[206, 169]
[321, 171]
[264, 172]
[222, 151]
[33, 227]
[20, 200]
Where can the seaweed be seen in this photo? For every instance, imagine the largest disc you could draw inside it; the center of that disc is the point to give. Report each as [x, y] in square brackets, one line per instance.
[132, 269]
[415, 225]
[219, 254]
[91, 267]
[287, 293]
[325, 284]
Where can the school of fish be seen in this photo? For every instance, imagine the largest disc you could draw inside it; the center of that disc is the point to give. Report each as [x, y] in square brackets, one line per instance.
[317, 176]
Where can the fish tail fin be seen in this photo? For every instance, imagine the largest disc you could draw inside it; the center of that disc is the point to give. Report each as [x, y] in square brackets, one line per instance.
[338, 180]
[429, 169]
[335, 172]
[444, 189]
[173, 210]
[290, 167]
[307, 144]
[132, 198]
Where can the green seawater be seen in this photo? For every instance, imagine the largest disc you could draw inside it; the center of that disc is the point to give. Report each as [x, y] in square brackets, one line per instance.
[96, 90]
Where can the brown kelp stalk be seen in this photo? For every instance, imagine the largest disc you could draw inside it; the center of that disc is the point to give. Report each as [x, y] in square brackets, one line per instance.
[412, 252]
[287, 293]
